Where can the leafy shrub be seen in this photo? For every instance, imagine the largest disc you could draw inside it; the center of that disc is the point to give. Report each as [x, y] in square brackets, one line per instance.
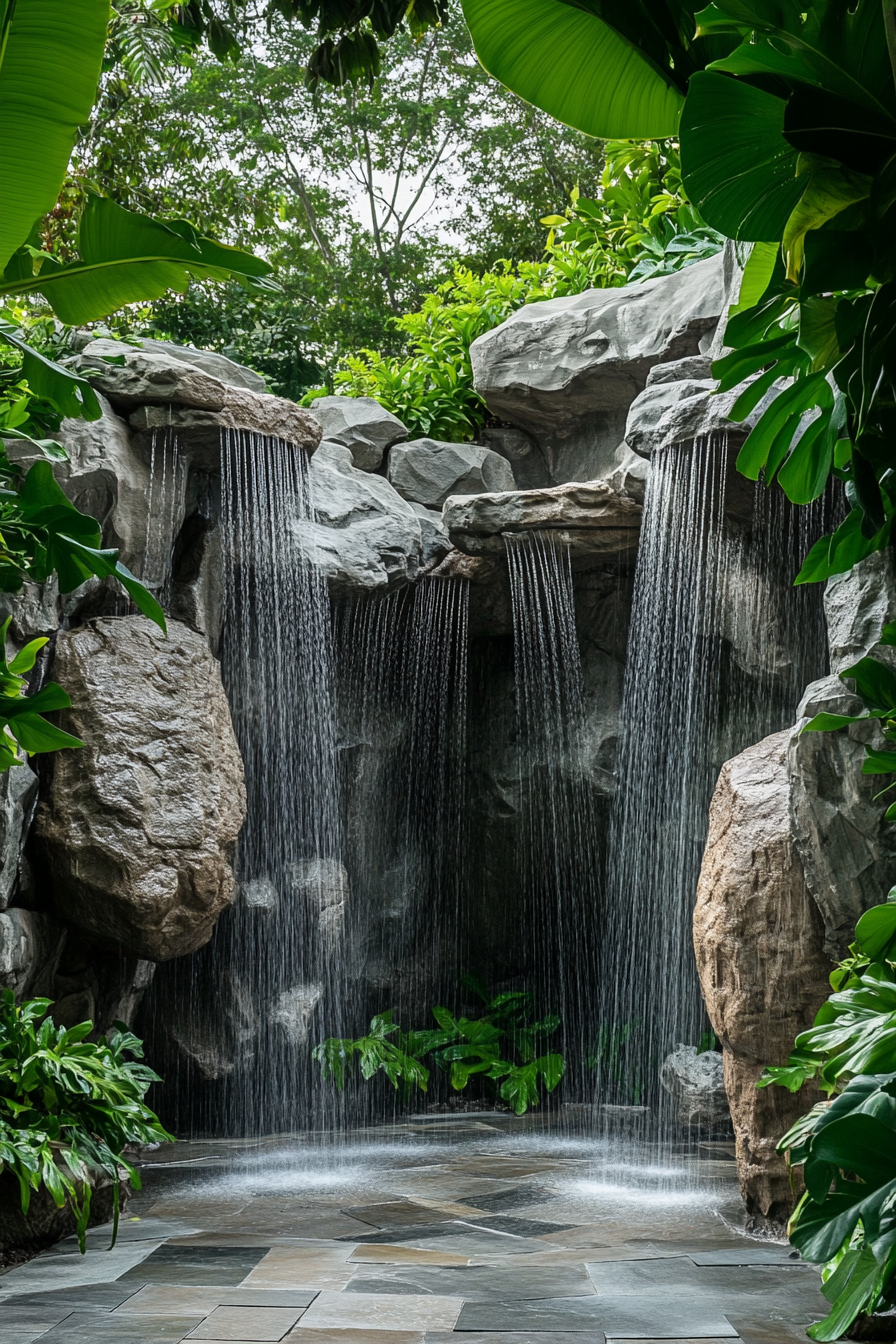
[501, 1045]
[846, 1220]
[640, 227]
[68, 1105]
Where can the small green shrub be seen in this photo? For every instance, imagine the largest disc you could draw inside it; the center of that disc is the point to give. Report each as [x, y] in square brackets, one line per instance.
[501, 1046]
[640, 227]
[68, 1104]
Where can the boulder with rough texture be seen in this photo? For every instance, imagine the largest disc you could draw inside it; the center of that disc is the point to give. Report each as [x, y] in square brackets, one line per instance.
[522, 452]
[30, 944]
[199, 431]
[140, 377]
[364, 534]
[428, 472]
[433, 534]
[139, 826]
[566, 370]
[847, 848]
[360, 424]
[592, 517]
[857, 606]
[696, 1085]
[759, 942]
[210, 362]
[669, 412]
[18, 794]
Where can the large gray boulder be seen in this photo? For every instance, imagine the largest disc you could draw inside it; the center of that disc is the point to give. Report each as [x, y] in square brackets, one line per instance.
[132, 376]
[199, 431]
[567, 370]
[209, 361]
[18, 795]
[857, 606]
[591, 517]
[671, 410]
[364, 534]
[847, 848]
[30, 943]
[360, 424]
[427, 472]
[139, 826]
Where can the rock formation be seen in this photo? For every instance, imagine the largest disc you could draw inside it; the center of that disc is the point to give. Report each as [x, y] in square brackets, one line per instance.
[360, 424]
[138, 827]
[759, 941]
[427, 472]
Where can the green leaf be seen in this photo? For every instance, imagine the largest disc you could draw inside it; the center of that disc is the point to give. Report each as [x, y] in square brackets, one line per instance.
[876, 933]
[737, 168]
[566, 60]
[879, 762]
[839, 553]
[875, 683]
[127, 258]
[756, 277]
[37, 735]
[830, 723]
[829, 188]
[50, 69]
[71, 394]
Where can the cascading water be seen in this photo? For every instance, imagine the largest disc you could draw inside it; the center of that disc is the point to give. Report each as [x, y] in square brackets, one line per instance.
[720, 648]
[559, 869]
[165, 510]
[241, 1015]
[402, 681]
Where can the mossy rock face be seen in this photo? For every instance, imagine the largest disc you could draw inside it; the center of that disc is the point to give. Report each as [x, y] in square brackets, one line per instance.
[45, 1224]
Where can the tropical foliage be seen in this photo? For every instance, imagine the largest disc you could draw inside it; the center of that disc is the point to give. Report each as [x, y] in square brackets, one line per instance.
[846, 1147]
[69, 1107]
[501, 1046]
[638, 226]
[362, 200]
[786, 114]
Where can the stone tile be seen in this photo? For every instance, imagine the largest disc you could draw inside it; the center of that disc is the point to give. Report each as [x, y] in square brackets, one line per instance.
[315, 1336]
[516, 1198]
[450, 1209]
[479, 1283]
[206, 1265]
[402, 1214]
[752, 1331]
[91, 1297]
[247, 1323]
[469, 1244]
[637, 1278]
[48, 1272]
[374, 1311]
[129, 1230]
[89, 1327]
[750, 1254]
[586, 1336]
[170, 1300]
[523, 1227]
[38, 1317]
[25, 1337]
[312, 1268]
[404, 1255]
[619, 1317]
[405, 1231]
[506, 1166]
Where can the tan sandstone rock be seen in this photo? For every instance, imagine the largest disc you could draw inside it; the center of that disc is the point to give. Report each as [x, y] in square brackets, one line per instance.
[759, 941]
[140, 825]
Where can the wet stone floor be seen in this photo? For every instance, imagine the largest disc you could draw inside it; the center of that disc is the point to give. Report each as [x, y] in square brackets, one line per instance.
[476, 1230]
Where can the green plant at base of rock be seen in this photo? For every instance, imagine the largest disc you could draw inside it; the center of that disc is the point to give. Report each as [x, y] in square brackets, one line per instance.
[462, 1046]
[641, 227]
[846, 1147]
[69, 1105]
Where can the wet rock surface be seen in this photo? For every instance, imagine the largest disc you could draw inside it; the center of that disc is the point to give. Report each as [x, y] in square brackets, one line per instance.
[695, 1083]
[566, 370]
[360, 424]
[759, 942]
[138, 827]
[427, 472]
[365, 535]
[592, 517]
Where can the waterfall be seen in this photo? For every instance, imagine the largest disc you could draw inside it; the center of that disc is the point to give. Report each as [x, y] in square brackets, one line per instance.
[238, 1019]
[720, 648]
[165, 511]
[558, 875]
[402, 694]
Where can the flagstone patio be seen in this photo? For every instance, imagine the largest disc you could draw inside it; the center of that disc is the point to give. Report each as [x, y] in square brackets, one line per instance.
[480, 1230]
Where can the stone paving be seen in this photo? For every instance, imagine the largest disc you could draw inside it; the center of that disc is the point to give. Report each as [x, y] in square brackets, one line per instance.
[474, 1229]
